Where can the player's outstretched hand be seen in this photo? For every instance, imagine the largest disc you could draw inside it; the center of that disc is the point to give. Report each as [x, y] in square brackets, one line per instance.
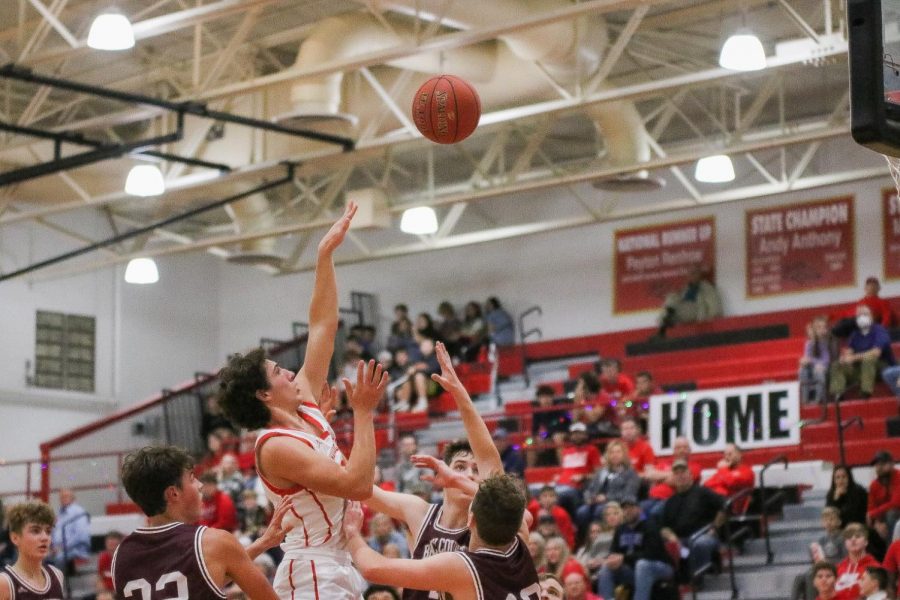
[276, 530]
[371, 381]
[353, 519]
[328, 401]
[443, 475]
[448, 379]
[338, 231]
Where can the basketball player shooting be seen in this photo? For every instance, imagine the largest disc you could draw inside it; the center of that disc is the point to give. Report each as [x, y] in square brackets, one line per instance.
[495, 566]
[172, 557]
[443, 528]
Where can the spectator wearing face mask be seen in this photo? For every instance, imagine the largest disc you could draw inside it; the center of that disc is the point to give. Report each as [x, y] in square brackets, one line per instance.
[867, 353]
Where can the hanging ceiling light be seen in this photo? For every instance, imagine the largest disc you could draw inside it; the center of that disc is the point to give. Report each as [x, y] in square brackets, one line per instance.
[714, 169]
[743, 52]
[141, 271]
[145, 180]
[420, 220]
[111, 31]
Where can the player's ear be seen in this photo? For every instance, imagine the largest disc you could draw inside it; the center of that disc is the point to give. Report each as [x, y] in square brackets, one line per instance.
[263, 395]
[470, 520]
[171, 494]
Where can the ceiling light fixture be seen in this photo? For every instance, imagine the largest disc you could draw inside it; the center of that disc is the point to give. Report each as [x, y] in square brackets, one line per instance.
[420, 220]
[141, 271]
[145, 180]
[111, 31]
[714, 169]
[743, 52]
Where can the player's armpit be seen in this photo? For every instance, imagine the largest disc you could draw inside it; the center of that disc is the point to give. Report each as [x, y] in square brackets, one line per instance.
[5, 589]
[290, 459]
[226, 560]
[446, 572]
[404, 507]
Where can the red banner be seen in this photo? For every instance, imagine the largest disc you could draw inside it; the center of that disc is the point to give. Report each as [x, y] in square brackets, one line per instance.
[890, 206]
[650, 262]
[800, 247]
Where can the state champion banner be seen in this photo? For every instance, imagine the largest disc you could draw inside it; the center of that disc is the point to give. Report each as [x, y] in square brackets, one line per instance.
[759, 416]
[891, 225]
[800, 247]
[650, 262]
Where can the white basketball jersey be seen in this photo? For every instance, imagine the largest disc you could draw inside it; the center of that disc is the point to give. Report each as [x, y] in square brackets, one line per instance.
[317, 517]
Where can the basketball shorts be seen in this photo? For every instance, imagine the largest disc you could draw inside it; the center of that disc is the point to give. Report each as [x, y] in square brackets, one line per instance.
[302, 576]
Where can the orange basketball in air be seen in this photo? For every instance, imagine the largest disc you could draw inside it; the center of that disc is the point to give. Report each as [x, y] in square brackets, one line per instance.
[446, 109]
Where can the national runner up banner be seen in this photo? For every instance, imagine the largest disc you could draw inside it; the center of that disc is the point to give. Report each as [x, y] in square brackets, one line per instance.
[760, 416]
[650, 262]
[800, 247]
[891, 226]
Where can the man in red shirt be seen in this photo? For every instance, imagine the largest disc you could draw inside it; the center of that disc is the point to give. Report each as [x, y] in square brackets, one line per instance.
[547, 503]
[663, 480]
[579, 460]
[884, 491]
[851, 569]
[637, 403]
[892, 563]
[217, 509]
[639, 449]
[731, 476]
[104, 560]
[612, 381]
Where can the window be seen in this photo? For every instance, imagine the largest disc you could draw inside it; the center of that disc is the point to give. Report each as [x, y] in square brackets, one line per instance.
[64, 351]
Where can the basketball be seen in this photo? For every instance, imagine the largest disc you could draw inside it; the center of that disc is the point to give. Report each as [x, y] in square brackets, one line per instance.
[446, 109]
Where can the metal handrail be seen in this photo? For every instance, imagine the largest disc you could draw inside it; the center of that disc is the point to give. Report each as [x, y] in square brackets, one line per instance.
[524, 334]
[842, 425]
[781, 458]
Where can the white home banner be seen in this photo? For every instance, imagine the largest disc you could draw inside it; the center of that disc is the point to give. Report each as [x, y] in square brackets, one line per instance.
[760, 416]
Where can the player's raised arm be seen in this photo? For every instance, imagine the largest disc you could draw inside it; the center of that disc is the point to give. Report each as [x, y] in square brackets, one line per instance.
[407, 508]
[486, 455]
[323, 306]
[226, 560]
[300, 464]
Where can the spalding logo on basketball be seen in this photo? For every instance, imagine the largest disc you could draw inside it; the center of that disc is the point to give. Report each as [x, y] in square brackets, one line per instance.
[446, 109]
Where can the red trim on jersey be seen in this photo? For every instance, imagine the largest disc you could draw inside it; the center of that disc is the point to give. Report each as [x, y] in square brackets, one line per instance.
[265, 437]
[291, 577]
[314, 405]
[302, 523]
[324, 514]
[312, 564]
[323, 433]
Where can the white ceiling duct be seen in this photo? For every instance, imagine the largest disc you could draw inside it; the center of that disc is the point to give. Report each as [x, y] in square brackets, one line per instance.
[253, 213]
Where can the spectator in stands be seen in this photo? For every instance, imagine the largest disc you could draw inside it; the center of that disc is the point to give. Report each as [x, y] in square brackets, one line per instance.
[474, 332]
[547, 527]
[105, 559]
[879, 308]
[7, 550]
[884, 491]
[576, 587]
[536, 545]
[424, 368]
[592, 407]
[217, 509]
[874, 584]
[691, 508]
[615, 480]
[867, 353]
[425, 327]
[592, 554]
[637, 558]
[501, 330]
[548, 425]
[71, 539]
[406, 475]
[850, 570]
[402, 337]
[829, 547]
[637, 403]
[850, 498]
[824, 579]
[401, 311]
[380, 592]
[639, 448]
[891, 563]
[698, 301]
[513, 461]
[820, 350]
[731, 476]
[558, 559]
[613, 382]
[213, 418]
[551, 587]
[384, 533]
[449, 327]
[230, 479]
[664, 479]
[252, 518]
[579, 460]
[547, 503]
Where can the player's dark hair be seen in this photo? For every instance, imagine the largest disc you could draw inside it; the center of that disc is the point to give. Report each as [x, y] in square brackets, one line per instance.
[824, 565]
[19, 515]
[880, 575]
[498, 507]
[147, 473]
[456, 447]
[238, 383]
[375, 588]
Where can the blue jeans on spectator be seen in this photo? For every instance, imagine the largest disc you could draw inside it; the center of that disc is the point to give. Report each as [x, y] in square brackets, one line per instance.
[569, 498]
[890, 376]
[645, 574]
[652, 507]
[701, 553]
[587, 513]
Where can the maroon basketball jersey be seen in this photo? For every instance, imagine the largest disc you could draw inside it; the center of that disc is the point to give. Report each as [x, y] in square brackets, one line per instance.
[434, 539]
[499, 575]
[23, 590]
[157, 563]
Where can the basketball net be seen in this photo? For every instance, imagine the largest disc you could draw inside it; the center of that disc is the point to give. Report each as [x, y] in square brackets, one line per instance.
[894, 166]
